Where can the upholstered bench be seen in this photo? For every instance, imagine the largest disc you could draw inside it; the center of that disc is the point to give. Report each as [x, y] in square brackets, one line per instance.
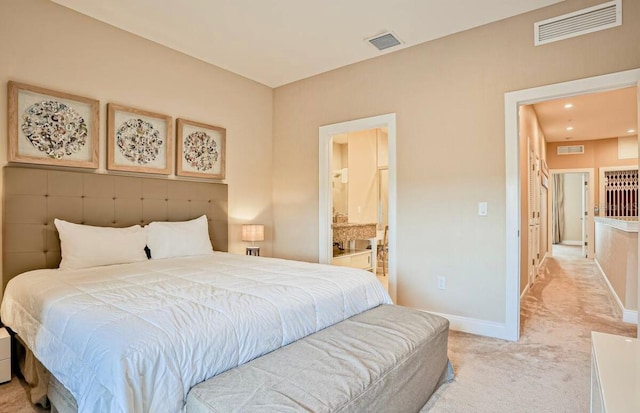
[388, 359]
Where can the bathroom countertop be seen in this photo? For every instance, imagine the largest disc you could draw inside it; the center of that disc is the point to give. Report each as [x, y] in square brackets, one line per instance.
[352, 231]
[350, 225]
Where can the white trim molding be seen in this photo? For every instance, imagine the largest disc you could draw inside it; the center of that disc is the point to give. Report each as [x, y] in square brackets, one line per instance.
[326, 133]
[475, 326]
[526, 290]
[628, 316]
[512, 102]
[621, 224]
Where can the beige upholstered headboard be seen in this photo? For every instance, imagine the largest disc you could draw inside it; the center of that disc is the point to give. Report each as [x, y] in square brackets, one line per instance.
[34, 197]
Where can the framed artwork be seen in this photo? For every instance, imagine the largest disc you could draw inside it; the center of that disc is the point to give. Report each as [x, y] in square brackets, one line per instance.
[201, 150]
[52, 128]
[139, 141]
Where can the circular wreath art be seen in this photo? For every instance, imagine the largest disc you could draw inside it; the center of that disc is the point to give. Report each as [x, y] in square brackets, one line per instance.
[200, 151]
[138, 141]
[54, 128]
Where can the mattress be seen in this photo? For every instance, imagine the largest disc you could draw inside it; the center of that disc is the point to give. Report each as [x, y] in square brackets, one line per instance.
[137, 337]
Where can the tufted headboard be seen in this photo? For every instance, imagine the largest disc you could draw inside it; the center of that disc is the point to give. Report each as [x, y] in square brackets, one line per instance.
[34, 197]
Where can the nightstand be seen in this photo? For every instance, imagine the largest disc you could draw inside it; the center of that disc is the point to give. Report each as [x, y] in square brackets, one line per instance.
[255, 251]
[5, 355]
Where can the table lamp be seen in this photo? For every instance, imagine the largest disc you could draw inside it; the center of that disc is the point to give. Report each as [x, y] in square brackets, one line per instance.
[253, 233]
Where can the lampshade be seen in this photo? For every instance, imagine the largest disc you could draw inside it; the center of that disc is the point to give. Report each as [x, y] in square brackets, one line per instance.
[253, 232]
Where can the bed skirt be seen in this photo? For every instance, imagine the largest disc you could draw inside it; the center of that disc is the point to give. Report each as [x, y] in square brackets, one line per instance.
[34, 373]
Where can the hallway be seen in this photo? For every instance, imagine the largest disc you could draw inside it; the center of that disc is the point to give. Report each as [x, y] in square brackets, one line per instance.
[548, 370]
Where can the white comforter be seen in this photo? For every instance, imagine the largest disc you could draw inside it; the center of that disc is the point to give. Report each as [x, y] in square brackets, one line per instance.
[136, 337]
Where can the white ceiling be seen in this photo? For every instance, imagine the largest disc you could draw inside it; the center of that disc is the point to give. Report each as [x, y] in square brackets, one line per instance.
[276, 42]
[594, 116]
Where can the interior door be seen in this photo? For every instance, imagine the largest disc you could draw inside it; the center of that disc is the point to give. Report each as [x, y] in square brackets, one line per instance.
[534, 215]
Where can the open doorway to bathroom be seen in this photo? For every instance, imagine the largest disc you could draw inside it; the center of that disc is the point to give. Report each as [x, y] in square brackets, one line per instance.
[360, 193]
[357, 196]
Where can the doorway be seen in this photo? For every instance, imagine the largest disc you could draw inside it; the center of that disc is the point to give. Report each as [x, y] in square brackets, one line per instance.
[570, 223]
[326, 177]
[513, 101]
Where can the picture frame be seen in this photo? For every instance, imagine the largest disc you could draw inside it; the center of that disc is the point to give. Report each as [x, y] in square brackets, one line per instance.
[201, 150]
[52, 128]
[139, 140]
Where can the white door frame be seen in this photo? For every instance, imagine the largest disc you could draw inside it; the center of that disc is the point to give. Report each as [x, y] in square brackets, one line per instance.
[326, 134]
[513, 100]
[590, 172]
[588, 209]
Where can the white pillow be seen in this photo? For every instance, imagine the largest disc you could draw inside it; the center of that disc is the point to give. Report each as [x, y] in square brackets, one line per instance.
[179, 239]
[84, 246]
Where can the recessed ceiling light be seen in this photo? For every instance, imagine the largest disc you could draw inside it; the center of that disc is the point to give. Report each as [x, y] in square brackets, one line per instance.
[568, 106]
[631, 131]
[569, 127]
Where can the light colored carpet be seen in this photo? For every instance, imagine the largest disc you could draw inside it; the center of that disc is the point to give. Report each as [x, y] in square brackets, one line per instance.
[548, 370]
[15, 399]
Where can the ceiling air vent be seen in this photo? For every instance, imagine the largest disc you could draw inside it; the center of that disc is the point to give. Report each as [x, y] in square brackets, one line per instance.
[593, 19]
[571, 150]
[384, 41]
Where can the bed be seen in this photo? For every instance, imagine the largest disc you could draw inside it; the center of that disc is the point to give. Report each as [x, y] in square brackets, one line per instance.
[138, 336]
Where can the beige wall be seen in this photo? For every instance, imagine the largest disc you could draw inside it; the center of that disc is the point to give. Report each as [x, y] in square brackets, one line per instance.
[448, 95]
[339, 188]
[383, 178]
[47, 45]
[383, 147]
[363, 177]
[617, 254]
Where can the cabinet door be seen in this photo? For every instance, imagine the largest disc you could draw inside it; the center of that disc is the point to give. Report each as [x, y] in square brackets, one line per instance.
[361, 260]
[344, 261]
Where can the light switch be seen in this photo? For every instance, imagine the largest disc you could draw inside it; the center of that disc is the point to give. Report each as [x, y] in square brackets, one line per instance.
[482, 209]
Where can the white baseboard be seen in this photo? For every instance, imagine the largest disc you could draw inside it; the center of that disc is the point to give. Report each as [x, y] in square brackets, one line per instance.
[544, 257]
[628, 316]
[569, 242]
[525, 291]
[476, 326]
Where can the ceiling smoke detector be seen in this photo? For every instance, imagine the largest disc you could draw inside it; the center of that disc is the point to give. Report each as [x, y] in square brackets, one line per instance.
[384, 41]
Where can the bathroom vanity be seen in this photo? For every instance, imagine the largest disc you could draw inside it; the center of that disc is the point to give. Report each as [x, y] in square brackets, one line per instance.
[347, 234]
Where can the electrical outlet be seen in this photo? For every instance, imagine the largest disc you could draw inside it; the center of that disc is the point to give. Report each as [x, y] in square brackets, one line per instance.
[442, 283]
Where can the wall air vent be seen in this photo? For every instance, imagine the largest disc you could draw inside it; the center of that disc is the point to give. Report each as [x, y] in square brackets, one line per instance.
[593, 19]
[571, 150]
[384, 41]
